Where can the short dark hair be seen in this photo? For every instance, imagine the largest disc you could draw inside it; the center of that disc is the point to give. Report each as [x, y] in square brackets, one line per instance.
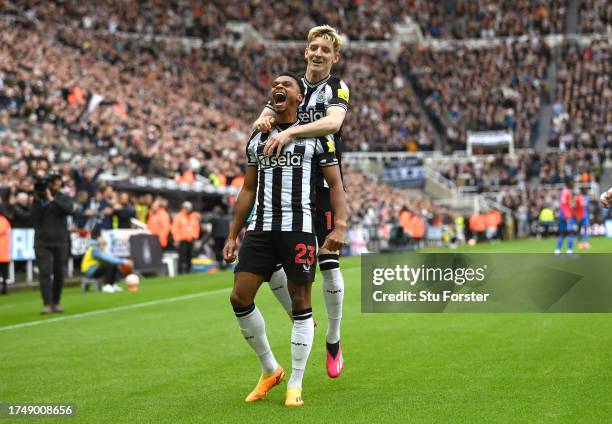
[54, 175]
[295, 77]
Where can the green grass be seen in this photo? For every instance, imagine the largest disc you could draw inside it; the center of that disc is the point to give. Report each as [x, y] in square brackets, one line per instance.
[599, 245]
[184, 360]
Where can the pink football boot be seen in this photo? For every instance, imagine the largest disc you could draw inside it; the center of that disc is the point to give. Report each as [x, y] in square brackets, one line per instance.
[335, 362]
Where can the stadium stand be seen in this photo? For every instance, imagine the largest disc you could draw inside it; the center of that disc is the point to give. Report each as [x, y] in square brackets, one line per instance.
[494, 87]
[486, 19]
[490, 173]
[583, 110]
[595, 17]
[360, 20]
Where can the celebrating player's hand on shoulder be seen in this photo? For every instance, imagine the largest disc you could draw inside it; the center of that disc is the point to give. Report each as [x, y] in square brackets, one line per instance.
[229, 250]
[335, 240]
[264, 124]
[274, 145]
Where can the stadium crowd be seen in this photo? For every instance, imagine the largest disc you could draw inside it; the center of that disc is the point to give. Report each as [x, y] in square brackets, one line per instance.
[102, 106]
[528, 183]
[491, 88]
[583, 109]
[381, 210]
[206, 21]
[525, 169]
[487, 19]
[458, 102]
[361, 20]
[169, 128]
[595, 16]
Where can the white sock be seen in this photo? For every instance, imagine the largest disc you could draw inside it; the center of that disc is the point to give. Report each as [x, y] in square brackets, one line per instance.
[278, 285]
[302, 337]
[253, 328]
[333, 293]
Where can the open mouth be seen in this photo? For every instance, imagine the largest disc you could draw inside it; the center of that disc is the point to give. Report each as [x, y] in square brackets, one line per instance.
[279, 97]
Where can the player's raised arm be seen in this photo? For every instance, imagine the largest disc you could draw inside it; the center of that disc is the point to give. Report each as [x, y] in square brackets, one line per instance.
[335, 239]
[244, 205]
[329, 124]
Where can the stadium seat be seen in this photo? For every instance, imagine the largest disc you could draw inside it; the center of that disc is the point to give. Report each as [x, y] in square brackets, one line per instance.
[170, 259]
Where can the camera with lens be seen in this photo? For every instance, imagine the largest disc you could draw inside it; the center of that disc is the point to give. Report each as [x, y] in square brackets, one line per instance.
[41, 184]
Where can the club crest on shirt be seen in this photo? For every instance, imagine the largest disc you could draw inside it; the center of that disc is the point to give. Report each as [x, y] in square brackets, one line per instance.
[320, 97]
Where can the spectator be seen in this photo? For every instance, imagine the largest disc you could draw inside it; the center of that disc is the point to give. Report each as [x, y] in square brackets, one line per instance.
[83, 214]
[493, 220]
[143, 206]
[159, 223]
[106, 208]
[523, 220]
[185, 230]
[477, 225]
[123, 212]
[85, 178]
[546, 219]
[21, 211]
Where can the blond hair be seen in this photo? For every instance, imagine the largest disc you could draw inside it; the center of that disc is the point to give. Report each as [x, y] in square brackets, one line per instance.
[328, 33]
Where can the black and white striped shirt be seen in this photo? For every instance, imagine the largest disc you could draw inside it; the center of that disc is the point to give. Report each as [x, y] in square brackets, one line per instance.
[286, 185]
[318, 97]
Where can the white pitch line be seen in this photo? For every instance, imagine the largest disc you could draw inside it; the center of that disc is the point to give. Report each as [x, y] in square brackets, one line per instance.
[116, 309]
[124, 308]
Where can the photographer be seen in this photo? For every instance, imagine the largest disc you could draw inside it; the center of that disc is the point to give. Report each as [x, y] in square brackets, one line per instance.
[49, 212]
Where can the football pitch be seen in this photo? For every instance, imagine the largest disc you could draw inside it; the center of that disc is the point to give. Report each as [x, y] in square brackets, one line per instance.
[172, 353]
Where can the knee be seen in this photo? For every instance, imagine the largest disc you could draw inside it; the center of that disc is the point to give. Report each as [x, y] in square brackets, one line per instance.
[299, 302]
[239, 300]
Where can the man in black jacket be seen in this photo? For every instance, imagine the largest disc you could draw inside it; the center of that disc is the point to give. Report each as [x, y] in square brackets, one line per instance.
[49, 212]
[123, 212]
[85, 178]
[22, 213]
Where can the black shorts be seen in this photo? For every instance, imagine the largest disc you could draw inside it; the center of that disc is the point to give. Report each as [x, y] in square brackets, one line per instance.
[324, 215]
[261, 251]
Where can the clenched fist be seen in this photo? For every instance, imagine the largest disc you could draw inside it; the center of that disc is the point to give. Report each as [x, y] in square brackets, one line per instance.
[229, 250]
